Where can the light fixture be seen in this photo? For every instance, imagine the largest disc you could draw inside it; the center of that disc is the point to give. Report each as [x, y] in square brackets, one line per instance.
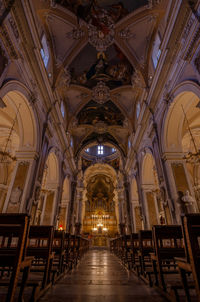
[191, 157]
[94, 229]
[105, 229]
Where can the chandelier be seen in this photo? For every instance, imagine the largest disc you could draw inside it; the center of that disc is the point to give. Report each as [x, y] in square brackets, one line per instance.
[5, 154]
[191, 157]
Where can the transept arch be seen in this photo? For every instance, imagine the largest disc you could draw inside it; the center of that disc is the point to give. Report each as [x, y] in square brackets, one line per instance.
[18, 146]
[45, 210]
[136, 207]
[181, 146]
[150, 188]
[64, 205]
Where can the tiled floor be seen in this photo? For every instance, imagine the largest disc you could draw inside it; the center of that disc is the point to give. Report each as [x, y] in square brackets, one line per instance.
[100, 278]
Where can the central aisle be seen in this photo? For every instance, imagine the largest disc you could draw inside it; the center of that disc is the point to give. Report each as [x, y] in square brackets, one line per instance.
[100, 278]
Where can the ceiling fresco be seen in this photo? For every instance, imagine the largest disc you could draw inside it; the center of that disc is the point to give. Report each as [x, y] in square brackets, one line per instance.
[101, 63]
[93, 113]
[101, 13]
[110, 66]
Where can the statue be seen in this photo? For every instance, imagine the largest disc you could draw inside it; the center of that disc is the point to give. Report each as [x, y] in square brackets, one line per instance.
[189, 202]
[15, 196]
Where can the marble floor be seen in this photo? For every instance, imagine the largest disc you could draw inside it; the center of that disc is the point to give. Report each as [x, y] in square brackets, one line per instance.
[100, 277]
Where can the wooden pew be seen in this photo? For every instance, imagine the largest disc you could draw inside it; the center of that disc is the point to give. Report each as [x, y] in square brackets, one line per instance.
[191, 263]
[13, 238]
[68, 246]
[58, 266]
[127, 251]
[135, 250]
[146, 248]
[40, 246]
[168, 241]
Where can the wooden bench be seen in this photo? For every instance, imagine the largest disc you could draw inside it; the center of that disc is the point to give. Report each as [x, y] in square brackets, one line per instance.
[13, 238]
[169, 244]
[191, 263]
[40, 246]
[135, 250]
[58, 266]
[144, 255]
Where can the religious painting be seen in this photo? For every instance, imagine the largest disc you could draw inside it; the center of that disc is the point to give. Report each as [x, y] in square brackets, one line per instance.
[111, 67]
[101, 13]
[93, 113]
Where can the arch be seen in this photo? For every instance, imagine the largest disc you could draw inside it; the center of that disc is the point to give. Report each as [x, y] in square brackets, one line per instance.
[149, 174]
[15, 96]
[186, 98]
[150, 189]
[46, 208]
[136, 208]
[63, 214]
[134, 191]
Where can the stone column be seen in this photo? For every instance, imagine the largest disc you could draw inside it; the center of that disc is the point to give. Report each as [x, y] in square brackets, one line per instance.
[71, 207]
[79, 210]
[121, 211]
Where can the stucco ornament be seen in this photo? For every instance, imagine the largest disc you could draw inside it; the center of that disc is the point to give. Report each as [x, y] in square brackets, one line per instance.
[101, 93]
[99, 39]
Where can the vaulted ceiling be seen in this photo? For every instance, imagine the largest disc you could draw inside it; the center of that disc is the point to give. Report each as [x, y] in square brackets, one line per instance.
[100, 62]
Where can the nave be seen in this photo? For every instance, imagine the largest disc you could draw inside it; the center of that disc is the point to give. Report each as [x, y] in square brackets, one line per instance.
[100, 277]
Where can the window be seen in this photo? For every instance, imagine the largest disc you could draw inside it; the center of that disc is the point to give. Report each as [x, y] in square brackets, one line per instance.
[62, 109]
[44, 51]
[113, 150]
[138, 110]
[100, 150]
[87, 150]
[156, 51]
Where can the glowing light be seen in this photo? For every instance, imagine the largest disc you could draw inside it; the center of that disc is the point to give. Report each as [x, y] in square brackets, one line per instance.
[60, 228]
[94, 229]
[105, 229]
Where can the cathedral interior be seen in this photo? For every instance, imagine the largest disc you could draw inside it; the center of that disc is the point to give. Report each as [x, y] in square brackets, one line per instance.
[99, 146]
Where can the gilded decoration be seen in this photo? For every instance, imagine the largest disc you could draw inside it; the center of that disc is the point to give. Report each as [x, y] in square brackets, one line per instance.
[100, 219]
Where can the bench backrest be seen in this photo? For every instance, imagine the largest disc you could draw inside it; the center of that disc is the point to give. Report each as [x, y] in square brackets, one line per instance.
[13, 237]
[168, 241]
[145, 242]
[40, 241]
[191, 224]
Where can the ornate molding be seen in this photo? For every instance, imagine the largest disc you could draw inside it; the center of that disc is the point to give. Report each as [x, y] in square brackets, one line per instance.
[100, 40]
[101, 93]
[76, 34]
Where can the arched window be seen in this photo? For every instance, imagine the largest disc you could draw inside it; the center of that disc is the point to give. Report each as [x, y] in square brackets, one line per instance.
[62, 109]
[137, 110]
[44, 51]
[156, 51]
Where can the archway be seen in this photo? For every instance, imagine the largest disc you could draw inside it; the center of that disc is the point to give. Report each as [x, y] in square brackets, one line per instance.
[181, 142]
[63, 213]
[153, 204]
[43, 213]
[100, 210]
[18, 144]
[136, 207]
